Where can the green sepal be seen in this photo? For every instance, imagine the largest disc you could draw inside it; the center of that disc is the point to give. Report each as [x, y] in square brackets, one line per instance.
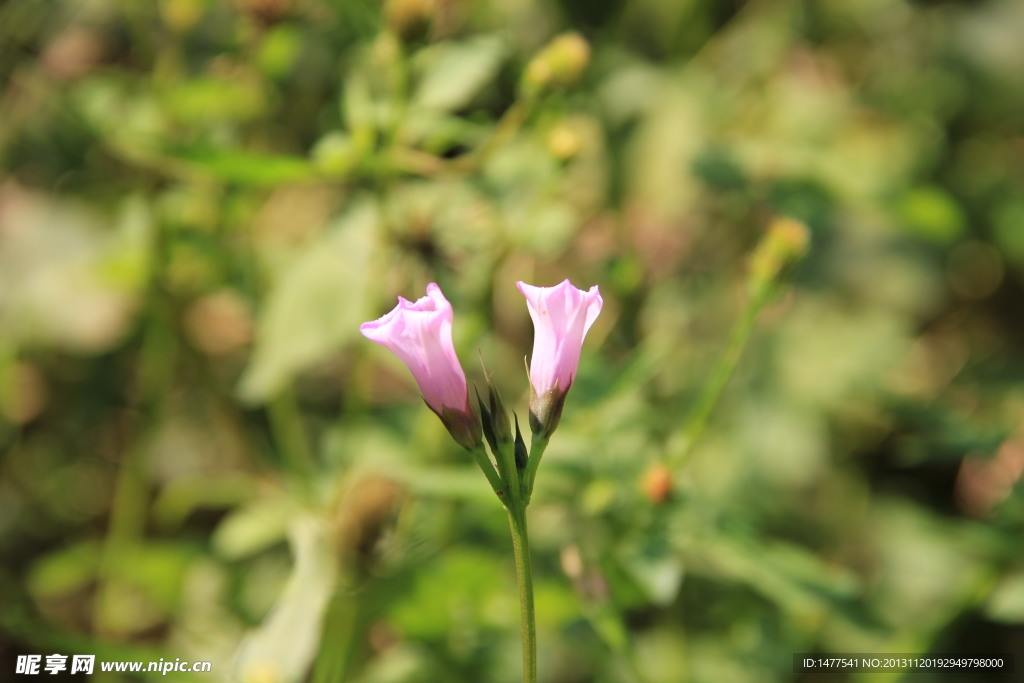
[488, 426]
[463, 425]
[546, 411]
[522, 455]
[499, 416]
[495, 418]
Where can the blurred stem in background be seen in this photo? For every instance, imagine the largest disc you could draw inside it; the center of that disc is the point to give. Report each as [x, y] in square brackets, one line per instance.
[341, 626]
[127, 518]
[785, 244]
[290, 435]
[608, 624]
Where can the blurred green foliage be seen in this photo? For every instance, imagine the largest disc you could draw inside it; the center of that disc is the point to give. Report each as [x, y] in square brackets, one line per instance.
[200, 201]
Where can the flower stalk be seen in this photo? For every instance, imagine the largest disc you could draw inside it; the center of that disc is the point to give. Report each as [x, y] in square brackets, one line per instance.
[784, 245]
[524, 582]
[420, 334]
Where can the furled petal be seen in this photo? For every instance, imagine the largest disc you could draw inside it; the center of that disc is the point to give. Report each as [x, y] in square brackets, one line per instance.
[420, 334]
[562, 316]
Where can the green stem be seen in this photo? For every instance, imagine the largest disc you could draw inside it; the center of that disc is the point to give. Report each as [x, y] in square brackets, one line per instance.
[509, 124]
[537, 446]
[524, 579]
[341, 627]
[289, 433]
[723, 370]
[484, 462]
[127, 521]
[607, 623]
[125, 528]
[510, 475]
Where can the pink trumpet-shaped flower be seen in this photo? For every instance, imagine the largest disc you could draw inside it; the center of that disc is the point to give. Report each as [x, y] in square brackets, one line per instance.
[420, 334]
[562, 315]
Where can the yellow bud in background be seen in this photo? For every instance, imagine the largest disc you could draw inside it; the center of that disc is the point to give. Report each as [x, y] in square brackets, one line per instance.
[410, 20]
[558, 65]
[564, 141]
[180, 15]
[783, 246]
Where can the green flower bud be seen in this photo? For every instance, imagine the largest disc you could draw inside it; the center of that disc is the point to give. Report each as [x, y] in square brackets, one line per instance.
[558, 65]
[783, 246]
[494, 418]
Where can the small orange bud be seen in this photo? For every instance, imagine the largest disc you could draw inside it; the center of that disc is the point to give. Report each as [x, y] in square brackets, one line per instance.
[657, 483]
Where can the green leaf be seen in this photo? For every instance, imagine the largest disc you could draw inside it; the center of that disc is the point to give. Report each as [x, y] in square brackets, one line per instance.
[461, 590]
[156, 568]
[452, 483]
[181, 497]
[315, 306]
[253, 528]
[453, 73]
[1008, 229]
[1006, 603]
[656, 570]
[244, 167]
[205, 100]
[284, 645]
[932, 214]
[65, 570]
[796, 580]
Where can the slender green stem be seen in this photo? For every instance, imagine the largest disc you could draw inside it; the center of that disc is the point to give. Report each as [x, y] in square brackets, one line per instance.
[127, 521]
[537, 446]
[124, 529]
[289, 433]
[720, 375]
[484, 462]
[509, 124]
[341, 630]
[510, 475]
[607, 623]
[524, 579]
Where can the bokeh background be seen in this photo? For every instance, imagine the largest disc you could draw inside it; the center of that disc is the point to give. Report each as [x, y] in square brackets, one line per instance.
[201, 458]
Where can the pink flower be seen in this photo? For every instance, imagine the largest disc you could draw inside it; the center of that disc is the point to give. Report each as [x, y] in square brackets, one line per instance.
[420, 334]
[562, 315]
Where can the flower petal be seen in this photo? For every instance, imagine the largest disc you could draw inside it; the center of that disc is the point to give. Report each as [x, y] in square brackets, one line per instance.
[420, 334]
[562, 315]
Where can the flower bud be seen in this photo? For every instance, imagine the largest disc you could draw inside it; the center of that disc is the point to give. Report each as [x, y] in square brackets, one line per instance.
[558, 65]
[522, 455]
[420, 334]
[561, 315]
[494, 418]
[565, 141]
[657, 483]
[784, 245]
